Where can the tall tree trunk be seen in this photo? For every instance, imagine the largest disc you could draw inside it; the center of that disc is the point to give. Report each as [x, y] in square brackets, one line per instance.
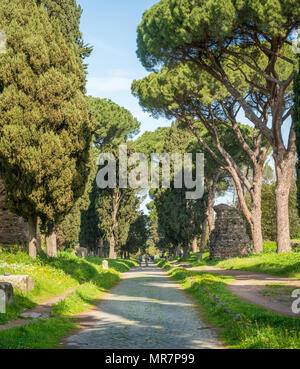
[211, 219]
[38, 236]
[284, 171]
[244, 206]
[51, 243]
[112, 241]
[203, 235]
[256, 210]
[186, 251]
[195, 244]
[32, 241]
[112, 244]
[212, 188]
[101, 247]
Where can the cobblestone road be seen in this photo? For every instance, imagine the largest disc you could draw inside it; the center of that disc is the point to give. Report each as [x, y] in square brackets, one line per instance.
[146, 310]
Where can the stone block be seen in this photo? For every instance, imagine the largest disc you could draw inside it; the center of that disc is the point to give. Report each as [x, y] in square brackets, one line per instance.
[105, 264]
[6, 294]
[22, 283]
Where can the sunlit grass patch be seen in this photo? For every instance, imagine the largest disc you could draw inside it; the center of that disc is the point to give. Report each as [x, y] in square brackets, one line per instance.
[243, 325]
[84, 296]
[286, 264]
[54, 276]
[43, 334]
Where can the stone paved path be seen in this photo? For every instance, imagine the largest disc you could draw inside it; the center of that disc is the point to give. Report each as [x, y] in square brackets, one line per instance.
[146, 310]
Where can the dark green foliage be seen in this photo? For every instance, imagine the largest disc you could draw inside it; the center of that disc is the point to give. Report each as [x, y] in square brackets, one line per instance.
[117, 209]
[44, 129]
[66, 14]
[152, 142]
[89, 226]
[112, 124]
[69, 230]
[110, 211]
[138, 235]
[180, 220]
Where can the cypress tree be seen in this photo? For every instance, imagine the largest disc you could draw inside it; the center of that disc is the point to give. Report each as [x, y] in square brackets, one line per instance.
[68, 231]
[66, 15]
[45, 132]
[112, 126]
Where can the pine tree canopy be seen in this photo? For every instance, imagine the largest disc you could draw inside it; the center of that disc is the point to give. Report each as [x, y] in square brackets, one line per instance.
[112, 124]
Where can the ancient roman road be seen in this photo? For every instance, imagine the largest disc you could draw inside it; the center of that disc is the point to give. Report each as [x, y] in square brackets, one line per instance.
[146, 310]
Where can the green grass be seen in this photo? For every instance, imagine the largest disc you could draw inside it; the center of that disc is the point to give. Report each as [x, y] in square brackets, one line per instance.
[286, 264]
[84, 296]
[44, 334]
[243, 325]
[53, 277]
[120, 265]
[278, 290]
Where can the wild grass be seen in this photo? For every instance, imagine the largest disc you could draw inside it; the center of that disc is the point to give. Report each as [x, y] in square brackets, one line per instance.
[85, 295]
[53, 277]
[44, 334]
[286, 264]
[242, 324]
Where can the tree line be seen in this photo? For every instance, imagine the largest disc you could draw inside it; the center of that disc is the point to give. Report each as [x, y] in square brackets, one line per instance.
[214, 64]
[51, 134]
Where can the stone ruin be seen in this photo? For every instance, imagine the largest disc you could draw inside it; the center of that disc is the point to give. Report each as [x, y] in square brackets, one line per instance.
[13, 229]
[229, 238]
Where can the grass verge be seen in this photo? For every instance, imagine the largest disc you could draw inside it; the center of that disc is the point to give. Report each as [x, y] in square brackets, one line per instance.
[83, 297]
[243, 325]
[44, 334]
[53, 277]
[285, 265]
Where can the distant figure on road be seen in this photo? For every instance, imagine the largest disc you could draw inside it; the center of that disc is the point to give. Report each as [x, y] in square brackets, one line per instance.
[140, 260]
[147, 259]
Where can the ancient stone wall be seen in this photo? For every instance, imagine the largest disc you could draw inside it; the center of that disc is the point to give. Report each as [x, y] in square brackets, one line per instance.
[13, 229]
[229, 238]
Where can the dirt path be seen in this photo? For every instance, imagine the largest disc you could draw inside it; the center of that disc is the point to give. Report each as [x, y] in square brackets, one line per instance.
[40, 311]
[146, 310]
[249, 286]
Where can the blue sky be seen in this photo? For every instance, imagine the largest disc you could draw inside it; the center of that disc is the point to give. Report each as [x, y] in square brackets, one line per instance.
[110, 26]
